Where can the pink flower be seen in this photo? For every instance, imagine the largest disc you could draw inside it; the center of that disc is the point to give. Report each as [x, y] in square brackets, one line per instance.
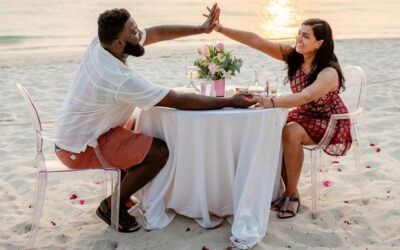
[327, 183]
[335, 162]
[204, 51]
[82, 202]
[73, 197]
[339, 169]
[378, 150]
[219, 46]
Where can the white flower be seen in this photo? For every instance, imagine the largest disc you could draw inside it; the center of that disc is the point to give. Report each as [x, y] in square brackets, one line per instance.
[221, 57]
[213, 68]
[228, 75]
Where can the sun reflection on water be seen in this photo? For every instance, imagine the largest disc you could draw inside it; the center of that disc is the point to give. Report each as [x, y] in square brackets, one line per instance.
[280, 19]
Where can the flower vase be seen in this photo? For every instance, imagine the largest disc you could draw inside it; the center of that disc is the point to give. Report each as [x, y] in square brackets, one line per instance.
[220, 87]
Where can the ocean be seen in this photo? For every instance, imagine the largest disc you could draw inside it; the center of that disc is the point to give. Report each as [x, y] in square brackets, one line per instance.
[37, 25]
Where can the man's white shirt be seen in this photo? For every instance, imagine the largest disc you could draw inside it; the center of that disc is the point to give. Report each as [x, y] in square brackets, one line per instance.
[103, 96]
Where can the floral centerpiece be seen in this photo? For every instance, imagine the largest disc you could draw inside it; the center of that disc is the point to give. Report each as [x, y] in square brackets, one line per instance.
[217, 64]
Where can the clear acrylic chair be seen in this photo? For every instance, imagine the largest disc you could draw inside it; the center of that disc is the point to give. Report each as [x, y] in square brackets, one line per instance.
[106, 174]
[355, 86]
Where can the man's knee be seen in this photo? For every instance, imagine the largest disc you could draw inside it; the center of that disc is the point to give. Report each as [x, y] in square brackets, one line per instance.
[158, 153]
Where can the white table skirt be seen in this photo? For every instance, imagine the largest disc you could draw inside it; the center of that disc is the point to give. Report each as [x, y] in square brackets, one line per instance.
[221, 161]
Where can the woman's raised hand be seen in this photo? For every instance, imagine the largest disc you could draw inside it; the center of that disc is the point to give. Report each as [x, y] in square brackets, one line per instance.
[213, 16]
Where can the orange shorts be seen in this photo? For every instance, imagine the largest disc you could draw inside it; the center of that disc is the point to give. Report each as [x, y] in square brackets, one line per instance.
[120, 147]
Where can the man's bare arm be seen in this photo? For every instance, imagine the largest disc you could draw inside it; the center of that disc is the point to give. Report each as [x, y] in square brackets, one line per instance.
[167, 32]
[197, 102]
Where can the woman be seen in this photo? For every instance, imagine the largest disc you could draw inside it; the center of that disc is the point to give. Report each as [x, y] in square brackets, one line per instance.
[315, 79]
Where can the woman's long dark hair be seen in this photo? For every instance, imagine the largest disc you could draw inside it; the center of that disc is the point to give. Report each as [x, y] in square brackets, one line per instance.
[325, 56]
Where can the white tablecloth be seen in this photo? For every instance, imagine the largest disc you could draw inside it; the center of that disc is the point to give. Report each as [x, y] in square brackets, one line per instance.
[221, 161]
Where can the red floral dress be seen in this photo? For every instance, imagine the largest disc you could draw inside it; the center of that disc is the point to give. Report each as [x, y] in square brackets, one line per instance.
[314, 117]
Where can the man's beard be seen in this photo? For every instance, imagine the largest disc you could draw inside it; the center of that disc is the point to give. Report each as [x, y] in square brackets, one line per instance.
[133, 49]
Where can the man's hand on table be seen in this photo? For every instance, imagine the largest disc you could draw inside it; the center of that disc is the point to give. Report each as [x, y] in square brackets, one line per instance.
[242, 100]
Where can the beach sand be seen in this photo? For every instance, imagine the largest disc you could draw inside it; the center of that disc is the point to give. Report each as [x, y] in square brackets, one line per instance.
[47, 76]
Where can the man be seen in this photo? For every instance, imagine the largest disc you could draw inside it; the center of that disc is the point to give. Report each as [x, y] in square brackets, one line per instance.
[105, 93]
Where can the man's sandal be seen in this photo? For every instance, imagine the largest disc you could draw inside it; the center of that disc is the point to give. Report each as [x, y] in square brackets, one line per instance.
[289, 213]
[276, 204]
[127, 222]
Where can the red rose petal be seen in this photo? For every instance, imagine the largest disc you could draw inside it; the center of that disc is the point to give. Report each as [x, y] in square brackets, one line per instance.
[378, 150]
[53, 223]
[368, 166]
[388, 191]
[188, 229]
[348, 223]
[327, 183]
[229, 248]
[30, 206]
[205, 248]
[73, 197]
[99, 182]
[339, 169]
[335, 162]
[372, 145]
[346, 202]
[82, 202]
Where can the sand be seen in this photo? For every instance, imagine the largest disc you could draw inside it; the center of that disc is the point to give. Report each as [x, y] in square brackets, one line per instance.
[48, 74]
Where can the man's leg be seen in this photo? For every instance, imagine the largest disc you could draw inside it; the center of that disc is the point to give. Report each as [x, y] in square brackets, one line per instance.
[138, 176]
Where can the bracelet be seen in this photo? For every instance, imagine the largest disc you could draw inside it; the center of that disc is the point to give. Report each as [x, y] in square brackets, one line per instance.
[273, 102]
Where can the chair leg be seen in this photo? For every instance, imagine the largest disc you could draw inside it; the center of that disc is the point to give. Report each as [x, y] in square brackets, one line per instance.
[37, 205]
[115, 200]
[360, 175]
[314, 183]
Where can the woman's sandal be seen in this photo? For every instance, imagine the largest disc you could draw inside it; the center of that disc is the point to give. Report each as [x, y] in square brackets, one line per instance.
[276, 204]
[127, 222]
[290, 213]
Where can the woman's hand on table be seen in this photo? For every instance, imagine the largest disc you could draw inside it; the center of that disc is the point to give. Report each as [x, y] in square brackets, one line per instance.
[242, 100]
[263, 102]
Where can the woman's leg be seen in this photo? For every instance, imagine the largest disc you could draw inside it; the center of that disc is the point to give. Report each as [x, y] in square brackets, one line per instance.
[293, 137]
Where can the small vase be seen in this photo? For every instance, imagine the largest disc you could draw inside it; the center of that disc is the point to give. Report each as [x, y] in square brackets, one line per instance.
[220, 87]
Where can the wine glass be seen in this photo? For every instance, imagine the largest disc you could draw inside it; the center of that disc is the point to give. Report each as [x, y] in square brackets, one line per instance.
[271, 85]
[256, 87]
[192, 72]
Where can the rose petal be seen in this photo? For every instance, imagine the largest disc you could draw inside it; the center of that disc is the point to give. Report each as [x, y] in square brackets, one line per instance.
[339, 169]
[335, 162]
[188, 229]
[99, 182]
[82, 202]
[73, 197]
[327, 183]
[388, 191]
[368, 166]
[30, 206]
[346, 202]
[53, 223]
[372, 145]
[205, 248]
[378, 150]
[229, 248]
